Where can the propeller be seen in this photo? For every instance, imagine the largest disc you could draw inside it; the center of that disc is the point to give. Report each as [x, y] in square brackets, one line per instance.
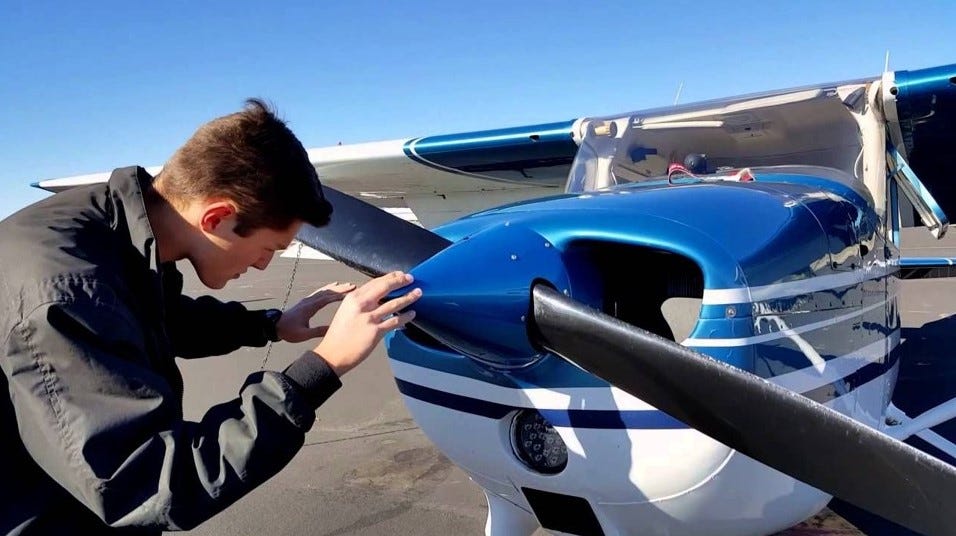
[368, 239]
[775, 426]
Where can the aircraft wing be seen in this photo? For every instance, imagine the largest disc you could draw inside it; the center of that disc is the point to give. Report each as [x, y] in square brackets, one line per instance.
[440, 178]
[444, 177]
[435, 178]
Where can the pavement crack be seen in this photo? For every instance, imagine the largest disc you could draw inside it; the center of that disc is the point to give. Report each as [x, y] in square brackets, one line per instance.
[362, 436]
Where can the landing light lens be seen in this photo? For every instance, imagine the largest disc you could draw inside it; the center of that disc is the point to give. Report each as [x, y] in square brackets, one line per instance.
[537, 444]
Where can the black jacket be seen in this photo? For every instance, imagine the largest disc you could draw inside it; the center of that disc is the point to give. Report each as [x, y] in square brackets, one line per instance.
[92, 435]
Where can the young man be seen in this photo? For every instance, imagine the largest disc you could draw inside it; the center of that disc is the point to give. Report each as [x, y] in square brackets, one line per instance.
[92, 435]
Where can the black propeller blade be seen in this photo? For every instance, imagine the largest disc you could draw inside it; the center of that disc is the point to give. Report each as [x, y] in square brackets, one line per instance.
[369, 239]
[773, 425]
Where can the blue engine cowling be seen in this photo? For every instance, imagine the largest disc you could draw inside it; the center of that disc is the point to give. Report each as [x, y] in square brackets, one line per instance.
[624, 251]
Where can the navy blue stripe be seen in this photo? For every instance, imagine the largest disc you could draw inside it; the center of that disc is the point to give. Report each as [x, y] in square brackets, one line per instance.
[615, 419]
[538, 153]
[846, 338]
[606, 419]
[550, 371]
[862, 376]
[453, 401]
[408, 152]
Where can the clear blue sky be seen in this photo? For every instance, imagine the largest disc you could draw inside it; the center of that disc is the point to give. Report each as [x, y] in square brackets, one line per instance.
[89, 86]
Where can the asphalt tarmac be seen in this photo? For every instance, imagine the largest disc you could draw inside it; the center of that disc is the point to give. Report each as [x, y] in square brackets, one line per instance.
[367, 469]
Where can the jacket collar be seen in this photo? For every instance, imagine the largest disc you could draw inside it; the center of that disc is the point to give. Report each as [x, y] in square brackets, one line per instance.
[126, 187]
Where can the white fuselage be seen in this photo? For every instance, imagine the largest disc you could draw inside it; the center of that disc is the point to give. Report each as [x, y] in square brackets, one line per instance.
[637, 481]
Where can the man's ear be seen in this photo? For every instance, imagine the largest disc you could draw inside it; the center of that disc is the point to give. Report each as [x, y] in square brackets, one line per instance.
[215, 214]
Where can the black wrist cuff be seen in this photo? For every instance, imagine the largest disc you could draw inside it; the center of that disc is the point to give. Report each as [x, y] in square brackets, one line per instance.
[316, 378]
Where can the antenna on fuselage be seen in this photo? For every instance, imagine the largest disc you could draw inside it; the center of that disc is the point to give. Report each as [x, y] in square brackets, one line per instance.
[886, 62]
[677, 97]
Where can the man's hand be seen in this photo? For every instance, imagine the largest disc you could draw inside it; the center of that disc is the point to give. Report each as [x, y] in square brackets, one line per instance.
[293, 326]
[362, 321]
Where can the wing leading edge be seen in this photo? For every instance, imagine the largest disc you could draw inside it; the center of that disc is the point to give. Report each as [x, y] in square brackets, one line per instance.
[438, 177]
[443, 177]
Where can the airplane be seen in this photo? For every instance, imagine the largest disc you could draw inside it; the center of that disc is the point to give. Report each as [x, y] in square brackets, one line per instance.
[673, 321]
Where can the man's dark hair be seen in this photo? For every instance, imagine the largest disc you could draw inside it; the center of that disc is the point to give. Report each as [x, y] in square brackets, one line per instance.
[252, 158]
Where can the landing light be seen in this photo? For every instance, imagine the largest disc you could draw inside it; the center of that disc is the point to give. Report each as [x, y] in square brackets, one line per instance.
[537, 444]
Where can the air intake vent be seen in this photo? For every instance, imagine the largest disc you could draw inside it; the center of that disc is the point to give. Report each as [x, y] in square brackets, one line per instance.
[564, 513]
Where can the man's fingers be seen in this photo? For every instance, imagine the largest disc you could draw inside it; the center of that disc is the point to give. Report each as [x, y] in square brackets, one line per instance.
[380, 286]
[398, 321]
[399, 303]
[333, 288]
[326, 297]
[331, 293]
[318, 331]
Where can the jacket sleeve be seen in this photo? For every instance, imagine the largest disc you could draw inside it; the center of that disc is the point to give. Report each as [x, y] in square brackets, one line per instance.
[102, 423]
[205, 326]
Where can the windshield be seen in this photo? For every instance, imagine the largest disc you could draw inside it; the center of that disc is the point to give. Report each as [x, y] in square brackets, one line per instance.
[807, 127]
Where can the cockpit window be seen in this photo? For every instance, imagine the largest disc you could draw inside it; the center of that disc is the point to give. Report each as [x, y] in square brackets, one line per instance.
[805, 128]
